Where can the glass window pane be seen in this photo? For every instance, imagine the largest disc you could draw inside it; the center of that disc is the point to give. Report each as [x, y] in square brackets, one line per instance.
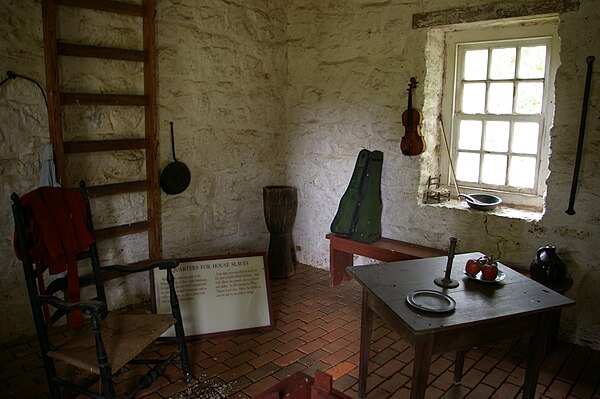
[475, 65]
[529, 97]
[469, 135]
[522, 172]
[473, 98]
[500, 98]
[525, 137]
[496, 136]
[532, 63]
[503, 63]
[493, 170]
[467, 167]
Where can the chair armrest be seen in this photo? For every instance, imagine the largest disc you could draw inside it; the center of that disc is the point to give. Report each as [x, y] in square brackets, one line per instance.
[89, 308]
[143, 266]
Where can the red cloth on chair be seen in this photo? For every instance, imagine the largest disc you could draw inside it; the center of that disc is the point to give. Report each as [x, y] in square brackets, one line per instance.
[57, 227]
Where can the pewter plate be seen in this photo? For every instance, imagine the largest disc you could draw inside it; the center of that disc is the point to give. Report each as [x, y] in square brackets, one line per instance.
[430, 301]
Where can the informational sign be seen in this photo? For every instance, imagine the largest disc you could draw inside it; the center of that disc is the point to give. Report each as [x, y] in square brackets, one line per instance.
[218, 295]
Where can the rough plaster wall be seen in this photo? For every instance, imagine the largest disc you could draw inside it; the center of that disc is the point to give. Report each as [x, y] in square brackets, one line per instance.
[577, 236]
[221, 81]
[221, 74]
[349, 63]
[347, 77]
[23, 129]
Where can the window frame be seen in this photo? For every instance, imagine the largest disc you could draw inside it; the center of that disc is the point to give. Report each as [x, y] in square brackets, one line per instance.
[478, 36]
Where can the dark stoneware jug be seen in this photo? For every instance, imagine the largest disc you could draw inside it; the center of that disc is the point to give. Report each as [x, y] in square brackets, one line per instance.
[548, 267]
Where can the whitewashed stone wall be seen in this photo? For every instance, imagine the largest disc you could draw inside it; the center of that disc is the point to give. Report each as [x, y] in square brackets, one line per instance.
[349, 63]
[221, 73]
[221, 76]
[288, 92]
[23, 129]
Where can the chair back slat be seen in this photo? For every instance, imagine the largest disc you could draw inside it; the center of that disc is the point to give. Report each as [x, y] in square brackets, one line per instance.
[92, 252]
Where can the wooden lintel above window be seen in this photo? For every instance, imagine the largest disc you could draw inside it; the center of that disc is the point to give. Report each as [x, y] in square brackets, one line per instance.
[490, 12]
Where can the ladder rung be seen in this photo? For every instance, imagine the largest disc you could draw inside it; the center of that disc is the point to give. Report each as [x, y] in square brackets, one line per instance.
[104, 145]
[102, 99]
[109, 6]
[143, 11]
[136, 267]
[117, 188]
[118, 231]
[111, 53]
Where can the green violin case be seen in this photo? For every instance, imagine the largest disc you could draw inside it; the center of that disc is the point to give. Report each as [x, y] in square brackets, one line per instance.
[359, 213]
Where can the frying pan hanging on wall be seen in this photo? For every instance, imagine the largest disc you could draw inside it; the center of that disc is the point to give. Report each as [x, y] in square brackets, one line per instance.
[175, 177]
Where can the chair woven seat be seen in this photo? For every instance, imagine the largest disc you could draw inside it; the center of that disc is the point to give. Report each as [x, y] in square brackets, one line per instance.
[125, 336]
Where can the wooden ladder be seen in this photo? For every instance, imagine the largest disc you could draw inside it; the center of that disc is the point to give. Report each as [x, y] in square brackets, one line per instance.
[54, 49]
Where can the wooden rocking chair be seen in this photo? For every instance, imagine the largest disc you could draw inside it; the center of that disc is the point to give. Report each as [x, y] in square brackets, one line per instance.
[98, 342]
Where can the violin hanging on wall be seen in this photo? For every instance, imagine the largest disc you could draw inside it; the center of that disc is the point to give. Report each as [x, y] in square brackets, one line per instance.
[413, 142]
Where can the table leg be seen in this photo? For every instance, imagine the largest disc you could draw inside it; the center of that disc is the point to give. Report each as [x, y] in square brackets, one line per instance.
[366, 327]
[537, 353]
[459, 363]
[423, 351]
[338, 262]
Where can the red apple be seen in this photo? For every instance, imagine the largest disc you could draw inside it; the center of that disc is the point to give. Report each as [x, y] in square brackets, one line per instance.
[472, 267]
[489, 271]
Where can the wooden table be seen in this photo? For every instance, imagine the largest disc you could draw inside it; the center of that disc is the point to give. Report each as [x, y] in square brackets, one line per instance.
[485, 313]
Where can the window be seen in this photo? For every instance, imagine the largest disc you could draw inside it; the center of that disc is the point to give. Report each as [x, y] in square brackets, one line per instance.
[498, 101]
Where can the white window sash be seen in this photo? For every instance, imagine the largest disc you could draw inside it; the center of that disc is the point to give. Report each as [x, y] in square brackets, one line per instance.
[459, 42]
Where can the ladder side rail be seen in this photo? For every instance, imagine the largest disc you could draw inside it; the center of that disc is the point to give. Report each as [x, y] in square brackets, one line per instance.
[53, 86]
[150, 90]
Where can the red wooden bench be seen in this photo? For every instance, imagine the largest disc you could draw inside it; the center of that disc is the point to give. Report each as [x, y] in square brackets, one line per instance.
[303, 386]
[342, 251]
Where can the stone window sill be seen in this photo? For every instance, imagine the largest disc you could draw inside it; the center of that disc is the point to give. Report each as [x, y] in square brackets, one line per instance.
[505, 211]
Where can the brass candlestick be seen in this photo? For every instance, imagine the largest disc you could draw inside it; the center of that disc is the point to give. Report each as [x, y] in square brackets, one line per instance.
[446, 281]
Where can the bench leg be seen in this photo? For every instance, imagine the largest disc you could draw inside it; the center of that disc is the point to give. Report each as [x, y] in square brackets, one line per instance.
[338, 262]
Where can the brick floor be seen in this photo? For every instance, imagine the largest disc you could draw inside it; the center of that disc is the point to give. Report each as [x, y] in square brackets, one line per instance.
[318, 328]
